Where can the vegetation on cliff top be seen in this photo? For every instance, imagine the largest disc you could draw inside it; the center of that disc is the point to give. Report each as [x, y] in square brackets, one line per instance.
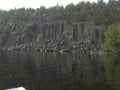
[100, 13]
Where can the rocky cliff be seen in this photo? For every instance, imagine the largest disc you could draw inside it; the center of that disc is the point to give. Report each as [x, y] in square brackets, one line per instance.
[55, 36]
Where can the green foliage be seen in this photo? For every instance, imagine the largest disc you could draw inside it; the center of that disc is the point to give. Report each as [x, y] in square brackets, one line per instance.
[112, 39]
[99, 13]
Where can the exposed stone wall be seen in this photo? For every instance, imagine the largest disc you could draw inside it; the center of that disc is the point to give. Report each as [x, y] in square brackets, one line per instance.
[56, 36]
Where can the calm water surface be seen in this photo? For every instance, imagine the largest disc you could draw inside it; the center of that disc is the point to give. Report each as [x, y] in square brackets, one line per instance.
[55, 71]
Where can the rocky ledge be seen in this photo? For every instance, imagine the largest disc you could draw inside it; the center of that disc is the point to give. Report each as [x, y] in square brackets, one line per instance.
[55, 36]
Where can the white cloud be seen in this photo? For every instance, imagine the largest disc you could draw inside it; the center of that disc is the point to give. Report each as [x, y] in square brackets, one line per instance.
[11, 4]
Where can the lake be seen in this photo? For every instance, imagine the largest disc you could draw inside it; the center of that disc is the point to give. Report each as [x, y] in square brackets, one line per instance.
[59, 71]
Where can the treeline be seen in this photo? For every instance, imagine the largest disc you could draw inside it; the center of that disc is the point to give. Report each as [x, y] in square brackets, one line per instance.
[100, 13]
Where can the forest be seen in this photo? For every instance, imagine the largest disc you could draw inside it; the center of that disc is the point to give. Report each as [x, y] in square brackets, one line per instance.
[100, 13]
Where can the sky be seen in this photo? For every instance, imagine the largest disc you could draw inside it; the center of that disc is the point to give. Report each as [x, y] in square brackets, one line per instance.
[11, 4]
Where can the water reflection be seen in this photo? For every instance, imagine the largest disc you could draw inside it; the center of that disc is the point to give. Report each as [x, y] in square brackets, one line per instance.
[52, 71]
[112, 67]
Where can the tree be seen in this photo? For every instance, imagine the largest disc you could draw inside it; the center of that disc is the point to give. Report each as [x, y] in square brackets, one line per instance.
[112, 39]
[100, 13]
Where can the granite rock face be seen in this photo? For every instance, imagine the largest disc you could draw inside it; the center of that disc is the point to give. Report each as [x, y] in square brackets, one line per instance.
[55, 36]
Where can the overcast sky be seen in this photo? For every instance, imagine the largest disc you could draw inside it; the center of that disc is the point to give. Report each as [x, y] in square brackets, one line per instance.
[11, 4]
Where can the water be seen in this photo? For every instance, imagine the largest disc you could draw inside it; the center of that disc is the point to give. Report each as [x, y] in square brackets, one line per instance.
[55, 71]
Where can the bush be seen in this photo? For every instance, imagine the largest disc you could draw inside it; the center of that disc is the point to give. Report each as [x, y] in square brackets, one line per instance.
[112, 39]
